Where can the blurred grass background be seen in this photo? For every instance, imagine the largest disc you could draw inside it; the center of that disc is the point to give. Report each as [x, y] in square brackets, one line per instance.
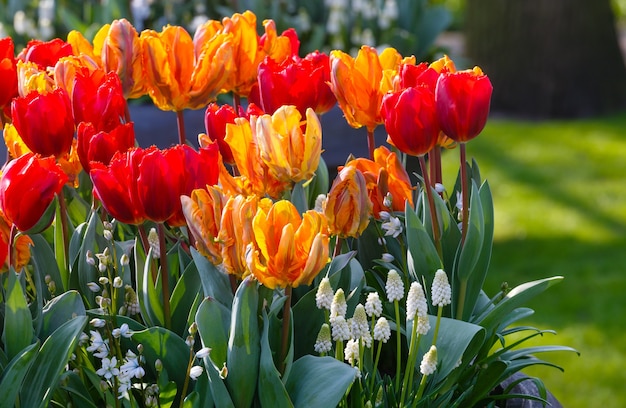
[560, 209]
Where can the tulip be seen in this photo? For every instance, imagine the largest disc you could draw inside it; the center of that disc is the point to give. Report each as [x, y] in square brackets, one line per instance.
[30, 78]
[360, 83]
[8, 73]
[45, 53]
[98, 99]
[290, 154]
[255, 175]
[463, 100]
[215, 119]
[385, 175]
[120, 51]
[115, 186]
[287, 249]
[411, 120]
[21, 250]
[44, 122]
[203, 212]
[27, 188]
[101, 146]
[302, 82]
[183, 75]
[66, 70]
[236, 231]
[249, 51]
[410, 75]
[348, 207]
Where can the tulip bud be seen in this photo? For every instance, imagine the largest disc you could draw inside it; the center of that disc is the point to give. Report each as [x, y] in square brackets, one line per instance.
[348, 207]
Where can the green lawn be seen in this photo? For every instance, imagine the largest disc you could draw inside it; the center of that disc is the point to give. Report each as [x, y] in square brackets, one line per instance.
[560, 204]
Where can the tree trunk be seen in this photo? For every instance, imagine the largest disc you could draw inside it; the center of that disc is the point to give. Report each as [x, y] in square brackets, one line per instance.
[548, 58]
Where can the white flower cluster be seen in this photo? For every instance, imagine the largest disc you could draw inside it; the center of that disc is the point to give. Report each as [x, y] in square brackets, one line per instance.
[441, 292]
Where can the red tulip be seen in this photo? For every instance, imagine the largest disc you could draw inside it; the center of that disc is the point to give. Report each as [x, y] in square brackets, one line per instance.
[215, 119]
[410, 75]
[44, 122]
[8, 72]
[201, 169]
[165, 175]
[100, 146]
[302, 82]
[27, 187]
[45, 53]
[99, 99]
[411, 120]
[115, 186]
[463, 100]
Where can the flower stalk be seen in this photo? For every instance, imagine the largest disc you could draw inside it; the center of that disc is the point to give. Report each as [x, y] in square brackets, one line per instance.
[431, 204]
[165, 284]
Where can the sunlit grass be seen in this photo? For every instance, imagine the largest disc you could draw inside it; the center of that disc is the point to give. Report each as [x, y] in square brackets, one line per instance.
[560, 203]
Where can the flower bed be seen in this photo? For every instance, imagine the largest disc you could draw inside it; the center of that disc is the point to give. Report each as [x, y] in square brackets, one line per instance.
[237, 274]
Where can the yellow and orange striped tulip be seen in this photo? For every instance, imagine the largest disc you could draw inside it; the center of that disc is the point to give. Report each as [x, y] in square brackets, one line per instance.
[178, 76]
[203, 213]
[287, 249]
[360, 83]
[290, 154]
[348, 207]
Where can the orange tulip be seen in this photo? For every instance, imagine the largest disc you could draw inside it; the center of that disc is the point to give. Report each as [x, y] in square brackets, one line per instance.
[256, 177]
[120, 51]
[236, 231]
[66, 70]
[360, 83]
[290, 154]
[248, 52]
[348, 207]
[177, 76]
[203, 213]
[385, 174]
[287, 249]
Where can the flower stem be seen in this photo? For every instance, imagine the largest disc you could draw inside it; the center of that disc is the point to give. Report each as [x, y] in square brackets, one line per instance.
[285, 333]
[464, 193]
[165, 276]
[461, 300]
[338, 244]
[146, 246]
[374, 371]
[420, 391]
[186, 383]
[180, 120]
[12, 256]
[236, 102]
[410, 365]
[64, 230]
[431, 204]
[398, 343]
[439, 314]
[370, 142]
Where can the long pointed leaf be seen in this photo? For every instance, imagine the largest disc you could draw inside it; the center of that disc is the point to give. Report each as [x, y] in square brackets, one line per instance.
[13, 375]
[310, 385]
[50, 362]
[18, 325]
[272, 392]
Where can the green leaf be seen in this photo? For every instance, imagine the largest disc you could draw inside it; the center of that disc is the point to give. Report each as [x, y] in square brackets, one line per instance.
[486, 379]
[215, 283]
[213, 320]
[148, 292]
[85, 273]
[456, 340]
[311, 385]
[50, 362]
[221, 397]
[479, 273]
[473, 239]
[299, 197]
[183, 297]
[422, 256]
[44, 263]
[18, 321]
[77, 390]
[244, 347]
[519, 295]
[60, 310]
[319, 184]
[14, 373]
[165, 345]
[272, 392]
